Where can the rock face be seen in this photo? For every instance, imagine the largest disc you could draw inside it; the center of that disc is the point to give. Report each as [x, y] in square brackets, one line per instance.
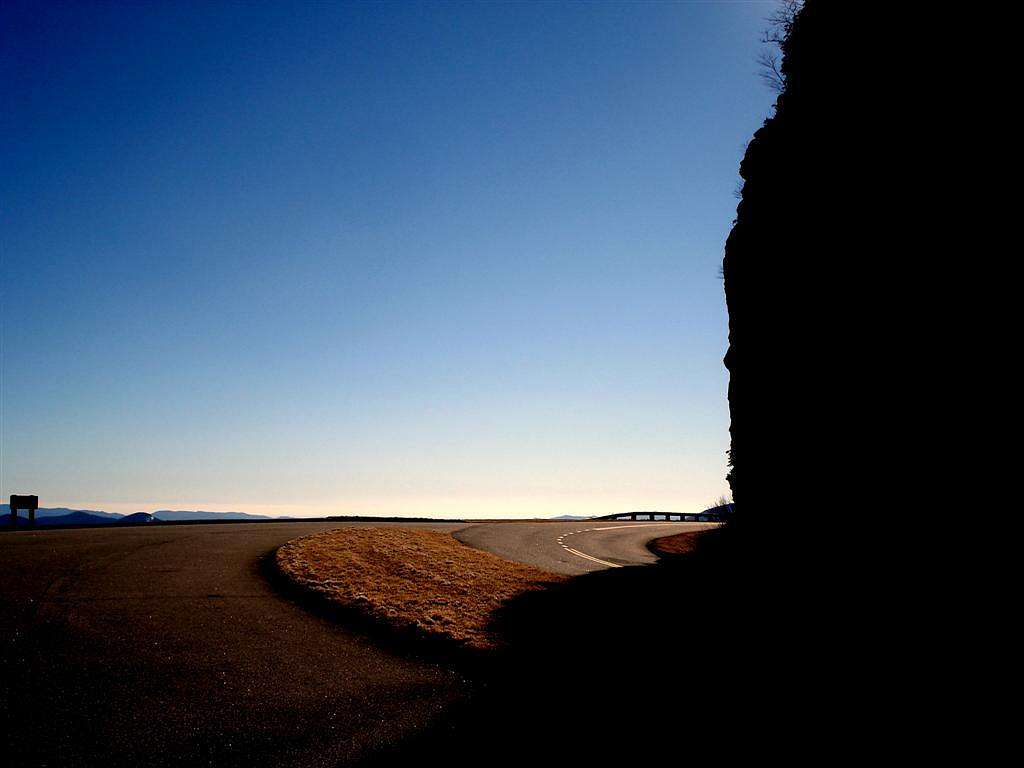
[783, 273]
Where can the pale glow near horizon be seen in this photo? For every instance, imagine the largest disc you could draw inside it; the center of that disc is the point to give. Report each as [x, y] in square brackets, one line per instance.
[454, 508]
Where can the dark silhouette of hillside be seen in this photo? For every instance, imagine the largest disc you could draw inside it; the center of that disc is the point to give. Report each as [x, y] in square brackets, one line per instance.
[51, 512]
[782, 319]
[807, 274]
[138, 518]
[61, 517]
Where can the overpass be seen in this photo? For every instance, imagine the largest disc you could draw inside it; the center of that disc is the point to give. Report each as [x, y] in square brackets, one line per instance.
[713, 515]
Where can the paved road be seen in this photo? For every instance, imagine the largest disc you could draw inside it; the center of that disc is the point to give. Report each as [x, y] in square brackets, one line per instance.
[576, 547]
[166, 646]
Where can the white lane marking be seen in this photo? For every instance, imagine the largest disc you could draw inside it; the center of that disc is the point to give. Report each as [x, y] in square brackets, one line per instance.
[584, 555]
[594, 559]
[613, 527]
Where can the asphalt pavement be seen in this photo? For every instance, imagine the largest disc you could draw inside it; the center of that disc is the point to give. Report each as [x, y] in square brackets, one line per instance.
[576, 547]
[168, 645]
[165, 645]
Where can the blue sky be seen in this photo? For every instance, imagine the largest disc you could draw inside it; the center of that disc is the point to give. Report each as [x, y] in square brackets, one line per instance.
[316, 258]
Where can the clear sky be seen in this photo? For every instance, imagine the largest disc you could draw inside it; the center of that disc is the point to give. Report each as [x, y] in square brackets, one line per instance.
[331, 258]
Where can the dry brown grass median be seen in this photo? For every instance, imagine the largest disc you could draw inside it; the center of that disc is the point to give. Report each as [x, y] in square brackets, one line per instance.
[408, 579]
[677, 544]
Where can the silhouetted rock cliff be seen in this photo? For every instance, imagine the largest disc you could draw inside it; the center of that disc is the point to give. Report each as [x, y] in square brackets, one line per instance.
[782, 281]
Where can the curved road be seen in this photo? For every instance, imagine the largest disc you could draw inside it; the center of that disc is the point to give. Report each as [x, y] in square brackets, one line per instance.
[574, 547]
[165, 645]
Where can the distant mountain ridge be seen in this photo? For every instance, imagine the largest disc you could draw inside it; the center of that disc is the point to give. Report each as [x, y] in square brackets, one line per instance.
[75, 517]
[61, 516]
[47, 516]
[171, 514]
[137, 518]
[5, 509]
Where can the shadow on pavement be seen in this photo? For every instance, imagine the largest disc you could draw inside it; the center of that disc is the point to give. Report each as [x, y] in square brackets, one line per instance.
[629, 664]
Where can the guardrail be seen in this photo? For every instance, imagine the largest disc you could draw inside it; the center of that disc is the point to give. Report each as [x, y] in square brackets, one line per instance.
[668, 517]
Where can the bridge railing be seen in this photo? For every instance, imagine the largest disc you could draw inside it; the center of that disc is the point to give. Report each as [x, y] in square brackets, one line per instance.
[668, 517]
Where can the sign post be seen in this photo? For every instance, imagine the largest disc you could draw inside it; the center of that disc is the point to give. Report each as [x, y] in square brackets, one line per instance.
[30, 503]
